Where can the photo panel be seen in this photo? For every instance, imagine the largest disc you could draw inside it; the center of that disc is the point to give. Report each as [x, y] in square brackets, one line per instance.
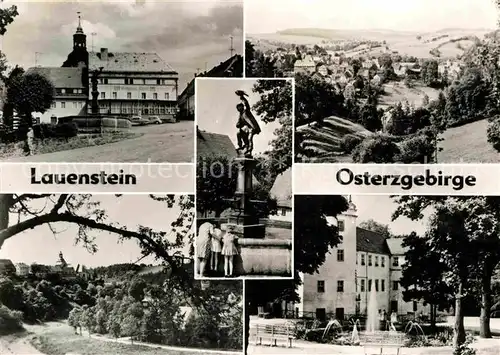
[87, 274]
[413, 91]
[244, 215]
[110, 81]
[409, 276]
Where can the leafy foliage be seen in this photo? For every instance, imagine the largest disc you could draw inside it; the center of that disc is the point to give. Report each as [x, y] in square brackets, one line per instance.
[376, 149]
[493, 133]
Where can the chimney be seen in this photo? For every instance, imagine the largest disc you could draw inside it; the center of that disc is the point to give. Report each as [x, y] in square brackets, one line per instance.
[104, 54]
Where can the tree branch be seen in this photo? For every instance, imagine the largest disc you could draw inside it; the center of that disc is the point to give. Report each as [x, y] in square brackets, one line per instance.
[29, 196]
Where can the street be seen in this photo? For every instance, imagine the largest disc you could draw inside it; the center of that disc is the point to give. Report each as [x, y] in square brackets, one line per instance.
[163, 143]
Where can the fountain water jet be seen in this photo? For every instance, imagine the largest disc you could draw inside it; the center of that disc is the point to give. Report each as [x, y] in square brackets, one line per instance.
[333, 323]
[372, 315]
[355, 334]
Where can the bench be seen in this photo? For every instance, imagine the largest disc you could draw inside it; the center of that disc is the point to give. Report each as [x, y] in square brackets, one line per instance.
[274, 333]
[382, 343]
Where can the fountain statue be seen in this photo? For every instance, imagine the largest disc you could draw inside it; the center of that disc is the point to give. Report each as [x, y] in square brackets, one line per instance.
[372, 320]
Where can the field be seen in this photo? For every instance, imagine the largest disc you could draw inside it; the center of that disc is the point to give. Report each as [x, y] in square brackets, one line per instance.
[397, 92]
[323, 142]
[467, 144]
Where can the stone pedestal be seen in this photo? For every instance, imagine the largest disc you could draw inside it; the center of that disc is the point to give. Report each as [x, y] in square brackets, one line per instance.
[243, 221]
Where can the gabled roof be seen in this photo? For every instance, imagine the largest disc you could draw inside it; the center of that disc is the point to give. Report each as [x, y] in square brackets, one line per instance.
[371, 242]
[214, 144]
[282, 189]
[129, 62]
[395, 246]
[61, 78]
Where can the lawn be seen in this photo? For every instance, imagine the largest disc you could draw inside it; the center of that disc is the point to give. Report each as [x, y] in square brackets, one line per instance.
[62, 340]
[397, 92]
[467, 144]
[14, 150]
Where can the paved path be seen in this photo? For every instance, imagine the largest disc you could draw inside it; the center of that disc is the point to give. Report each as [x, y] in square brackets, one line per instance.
[16, 345]
[165, 143]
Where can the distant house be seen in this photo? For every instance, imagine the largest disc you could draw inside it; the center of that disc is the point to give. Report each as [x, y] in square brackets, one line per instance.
[22, 269]
[70, 98]
[305, 66]
[7, 267]
[233, 67]
[282, 192]
[322, 69]
[210, 144]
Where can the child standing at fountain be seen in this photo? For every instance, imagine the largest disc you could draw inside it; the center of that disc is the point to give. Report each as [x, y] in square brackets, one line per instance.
[229, 250]
[216, 249]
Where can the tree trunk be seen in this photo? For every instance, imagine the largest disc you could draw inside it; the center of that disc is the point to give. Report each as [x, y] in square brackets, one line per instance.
[5, 203]
[484, 319]
[458, 329]
[247, 326]
[433, 316]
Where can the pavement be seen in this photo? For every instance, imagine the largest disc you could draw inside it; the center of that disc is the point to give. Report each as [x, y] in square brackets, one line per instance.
[164, 143]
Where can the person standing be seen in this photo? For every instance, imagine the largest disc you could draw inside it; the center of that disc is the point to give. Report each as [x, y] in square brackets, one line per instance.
[229, 250]
[204, 245]
[216, 249]
[29, 141]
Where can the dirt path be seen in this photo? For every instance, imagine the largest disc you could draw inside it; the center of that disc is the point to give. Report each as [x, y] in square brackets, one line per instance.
[18, 345]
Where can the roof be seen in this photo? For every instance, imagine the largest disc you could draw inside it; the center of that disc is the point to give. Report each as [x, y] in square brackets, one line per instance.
[60, 77]
[395, 246]
[282, 189]
[129, 62]
[6, 262]
[371, 242]
[214, 144]
[230, 67]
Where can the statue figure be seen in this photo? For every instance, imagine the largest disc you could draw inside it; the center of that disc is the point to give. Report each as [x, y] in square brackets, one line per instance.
[95, 91]
[247, 125]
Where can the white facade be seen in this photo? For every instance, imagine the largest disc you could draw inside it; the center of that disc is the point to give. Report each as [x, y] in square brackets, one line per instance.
[22, 269]
[373, 271]
[63, 107]
[284, 214]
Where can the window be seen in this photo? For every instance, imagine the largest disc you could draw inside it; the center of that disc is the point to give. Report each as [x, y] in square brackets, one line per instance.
[340, 255]
[105, 81]
[376, 260]
[129, 95]
[395, 285]
[283, 211]
[53, 105]
[376, 285]
[369, 260]
[341, 226]
[382, 261]
[155, 96]
[158, 81]
[167, 96]
[53, 119]
[130, 81]
[395, 261]
[63, 104]
[75, 104]
[321, 286]
[143, 95]
[362, 259]
[321, 314]
[115, 95]
[382, 285]
[340, 286]
[369, 285]
[81, 104]
[103, 95]
[63, 91]
[363, 285]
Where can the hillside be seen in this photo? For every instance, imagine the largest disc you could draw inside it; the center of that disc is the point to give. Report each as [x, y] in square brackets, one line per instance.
[395, 92]
[449, 42]
[473, 135]
[323, 142]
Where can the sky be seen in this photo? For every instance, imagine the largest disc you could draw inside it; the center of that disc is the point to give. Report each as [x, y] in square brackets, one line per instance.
[216, 110]
[385, 206]
[188, 35]
[39, 245]
[264, 16]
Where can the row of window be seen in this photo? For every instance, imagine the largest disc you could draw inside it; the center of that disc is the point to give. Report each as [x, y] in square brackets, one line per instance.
[129, 95]
[129, 81]
[76, 104]
[70, 91]
[340, 286]
[395, 260]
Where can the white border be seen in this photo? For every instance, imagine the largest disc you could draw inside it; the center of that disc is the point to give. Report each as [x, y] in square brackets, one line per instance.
[292, 261]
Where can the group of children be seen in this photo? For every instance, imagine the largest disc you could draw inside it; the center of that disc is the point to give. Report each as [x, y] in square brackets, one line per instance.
[212, 242]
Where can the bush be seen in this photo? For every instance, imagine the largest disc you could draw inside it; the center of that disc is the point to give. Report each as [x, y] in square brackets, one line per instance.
[63, 130]
[10, 321]
[376, 149]
[417, 149]
[493, 134]
[349, 143]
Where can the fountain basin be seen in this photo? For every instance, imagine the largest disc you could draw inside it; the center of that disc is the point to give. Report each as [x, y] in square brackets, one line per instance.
[264, 257]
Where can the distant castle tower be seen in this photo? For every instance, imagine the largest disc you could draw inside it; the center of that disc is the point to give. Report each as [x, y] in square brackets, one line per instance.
[79, 57]
[61, 260]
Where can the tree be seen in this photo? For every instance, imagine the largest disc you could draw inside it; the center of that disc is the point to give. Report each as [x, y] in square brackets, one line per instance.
[31, 92]
[465, 232]
[7, 16]
[249, 57]
[275, 104]
[377, 227]
[430, 72]
[424, 276]
[136, 289]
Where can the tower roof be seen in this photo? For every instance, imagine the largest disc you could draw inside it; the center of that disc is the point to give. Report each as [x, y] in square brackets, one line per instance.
[79, 29]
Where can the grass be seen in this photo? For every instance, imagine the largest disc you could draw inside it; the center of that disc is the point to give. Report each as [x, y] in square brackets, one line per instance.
[63, 341]
[397, 92]
[13, 150]
[467, 144]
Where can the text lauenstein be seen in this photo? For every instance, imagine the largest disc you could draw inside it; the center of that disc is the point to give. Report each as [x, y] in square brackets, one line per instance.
[100, 178]
[406, 182]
